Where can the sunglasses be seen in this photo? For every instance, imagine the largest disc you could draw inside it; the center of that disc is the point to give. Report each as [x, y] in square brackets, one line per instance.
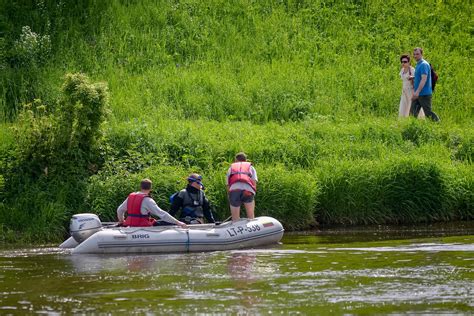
[404, 61]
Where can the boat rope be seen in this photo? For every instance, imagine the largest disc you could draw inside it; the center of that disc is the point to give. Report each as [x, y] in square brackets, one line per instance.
[187, 242]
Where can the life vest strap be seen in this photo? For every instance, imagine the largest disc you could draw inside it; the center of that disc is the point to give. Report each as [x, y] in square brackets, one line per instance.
[138, 215]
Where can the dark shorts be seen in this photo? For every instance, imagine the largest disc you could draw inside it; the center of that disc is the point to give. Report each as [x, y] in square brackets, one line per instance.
[237, 197]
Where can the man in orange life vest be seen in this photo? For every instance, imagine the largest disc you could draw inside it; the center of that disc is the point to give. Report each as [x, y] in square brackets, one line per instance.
[139, 206]
[242, 186]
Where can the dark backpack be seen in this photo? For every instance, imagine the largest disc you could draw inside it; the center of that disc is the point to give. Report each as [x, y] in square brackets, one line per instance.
[434, 78]
[173, 196]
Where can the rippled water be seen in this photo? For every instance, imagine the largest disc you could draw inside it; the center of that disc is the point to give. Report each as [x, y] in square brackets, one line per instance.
[377, 270]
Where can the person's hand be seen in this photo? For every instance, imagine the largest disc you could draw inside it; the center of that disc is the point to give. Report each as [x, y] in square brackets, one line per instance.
[415, 96]
[182, 225]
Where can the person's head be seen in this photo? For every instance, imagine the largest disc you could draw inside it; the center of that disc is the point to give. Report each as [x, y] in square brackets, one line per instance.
[145, 185]
[241, 157]
[195, 180]
[418, 53]
[405, 60]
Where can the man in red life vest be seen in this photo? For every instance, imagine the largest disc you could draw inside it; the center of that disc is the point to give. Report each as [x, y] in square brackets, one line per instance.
[139, 206]
[242, 186]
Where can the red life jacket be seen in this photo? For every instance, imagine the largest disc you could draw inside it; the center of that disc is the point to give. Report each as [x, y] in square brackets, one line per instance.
[240, 172]
[134, 217]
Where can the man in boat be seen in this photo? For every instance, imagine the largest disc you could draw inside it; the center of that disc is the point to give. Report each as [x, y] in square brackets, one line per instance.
[241, 186]
[139, 206]
[192, 202]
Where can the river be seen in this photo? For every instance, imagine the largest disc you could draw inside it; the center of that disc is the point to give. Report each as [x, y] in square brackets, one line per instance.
[383, 270]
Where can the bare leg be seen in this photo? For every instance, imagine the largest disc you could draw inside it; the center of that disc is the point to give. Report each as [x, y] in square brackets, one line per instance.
[250, 209]
[235, 212]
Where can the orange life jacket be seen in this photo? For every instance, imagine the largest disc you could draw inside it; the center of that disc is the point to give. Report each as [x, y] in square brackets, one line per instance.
[134, 217]
[240, 172]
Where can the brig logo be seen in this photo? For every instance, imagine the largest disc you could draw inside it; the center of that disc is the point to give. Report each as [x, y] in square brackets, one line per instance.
[143, 236]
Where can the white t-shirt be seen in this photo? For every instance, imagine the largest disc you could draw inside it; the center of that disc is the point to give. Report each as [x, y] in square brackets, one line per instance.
[148, 206]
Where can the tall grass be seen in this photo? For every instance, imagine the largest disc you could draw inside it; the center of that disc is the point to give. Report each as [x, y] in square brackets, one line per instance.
[309, 89]
[332, 173]
[278, 61]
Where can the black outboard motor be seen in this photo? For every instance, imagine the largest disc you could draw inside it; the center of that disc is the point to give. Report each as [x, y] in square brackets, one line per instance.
[84, 225]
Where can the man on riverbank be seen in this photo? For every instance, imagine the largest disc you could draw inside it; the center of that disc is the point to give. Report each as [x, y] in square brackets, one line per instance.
[423, 89]
[241, 186]
[139, 206]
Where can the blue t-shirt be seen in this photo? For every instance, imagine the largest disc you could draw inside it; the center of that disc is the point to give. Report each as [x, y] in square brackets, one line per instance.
[423, 68]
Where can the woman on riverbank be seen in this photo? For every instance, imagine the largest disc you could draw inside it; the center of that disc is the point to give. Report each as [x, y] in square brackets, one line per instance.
[407, 73]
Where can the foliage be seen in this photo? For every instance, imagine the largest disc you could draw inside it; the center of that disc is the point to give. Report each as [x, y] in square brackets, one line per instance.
[288, 195]
[308, 89]
[260, 61]
[395, 191]
[56, 149]
[62, 141]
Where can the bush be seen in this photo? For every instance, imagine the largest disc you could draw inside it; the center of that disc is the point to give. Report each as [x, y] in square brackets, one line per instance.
[56, 149]
[62, 141]
[461, 191]
[397, 191]
[107, 190]
[288, 195]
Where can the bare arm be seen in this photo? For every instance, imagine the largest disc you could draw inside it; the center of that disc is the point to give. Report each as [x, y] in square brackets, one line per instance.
[254, 174]
[153, 208]
[420, 86]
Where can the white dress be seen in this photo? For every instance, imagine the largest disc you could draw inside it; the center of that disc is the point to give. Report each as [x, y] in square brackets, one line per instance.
[407, 93]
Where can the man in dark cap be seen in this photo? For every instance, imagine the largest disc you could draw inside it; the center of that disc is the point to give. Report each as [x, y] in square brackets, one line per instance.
[193, 202]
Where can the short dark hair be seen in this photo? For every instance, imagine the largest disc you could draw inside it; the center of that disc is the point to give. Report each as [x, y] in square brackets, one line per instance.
[419, 48]
[145, 184]
[405, 56]
[241, 156]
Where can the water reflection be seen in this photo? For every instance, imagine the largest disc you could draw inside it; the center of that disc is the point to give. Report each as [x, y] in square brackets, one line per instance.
[431, 247]
[241, 267]
[142, 263]
[369, 233]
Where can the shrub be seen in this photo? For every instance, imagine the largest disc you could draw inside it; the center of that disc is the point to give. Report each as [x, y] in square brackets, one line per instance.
[56, 149]
[395, 191]
[62, 141]
[288, 195]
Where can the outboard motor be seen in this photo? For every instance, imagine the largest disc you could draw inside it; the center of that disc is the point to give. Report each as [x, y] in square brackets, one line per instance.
[84, 225]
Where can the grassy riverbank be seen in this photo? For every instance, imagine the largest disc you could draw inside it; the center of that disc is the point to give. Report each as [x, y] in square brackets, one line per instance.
[309, 90]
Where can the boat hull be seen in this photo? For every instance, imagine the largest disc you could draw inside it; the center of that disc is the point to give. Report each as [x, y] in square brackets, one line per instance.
[245, 233]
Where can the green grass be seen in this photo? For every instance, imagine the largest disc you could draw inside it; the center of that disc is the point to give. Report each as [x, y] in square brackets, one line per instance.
[309, 89]
[263, 61]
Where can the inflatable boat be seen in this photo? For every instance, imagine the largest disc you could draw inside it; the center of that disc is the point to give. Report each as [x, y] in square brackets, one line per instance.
[90, 235]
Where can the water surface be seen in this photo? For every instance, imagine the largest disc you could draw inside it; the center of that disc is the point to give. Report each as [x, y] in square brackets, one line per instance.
[408, 270]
